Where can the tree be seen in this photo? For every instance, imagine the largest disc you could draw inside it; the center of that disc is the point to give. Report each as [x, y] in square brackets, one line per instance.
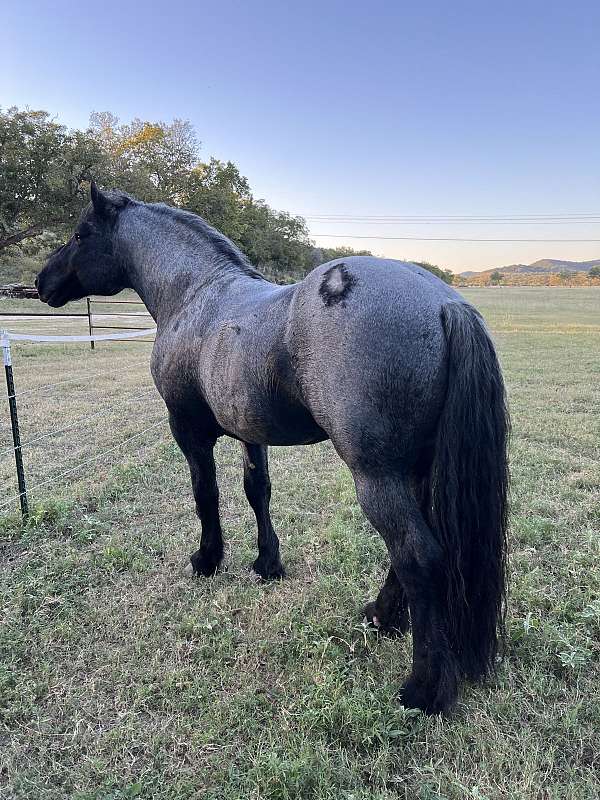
[151, 160]
[42, 170]
[220, 194]
[45, 168]
[321, 255]
[565, 275]
[444, 274]
[275, 241]
[594, 272]
[496, 277]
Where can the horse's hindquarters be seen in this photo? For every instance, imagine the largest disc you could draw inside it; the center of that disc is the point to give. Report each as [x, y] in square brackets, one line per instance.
[372, 368]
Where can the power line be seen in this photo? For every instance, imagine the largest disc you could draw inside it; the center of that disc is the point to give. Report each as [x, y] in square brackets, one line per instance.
[570, 218]
[370, 221]
[588, 215]
[444, 238]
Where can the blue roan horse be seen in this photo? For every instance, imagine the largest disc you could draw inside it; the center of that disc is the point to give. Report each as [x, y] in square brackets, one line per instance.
[380, 357]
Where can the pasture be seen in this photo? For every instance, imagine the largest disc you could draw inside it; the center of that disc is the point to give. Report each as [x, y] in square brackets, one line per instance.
[120, 677]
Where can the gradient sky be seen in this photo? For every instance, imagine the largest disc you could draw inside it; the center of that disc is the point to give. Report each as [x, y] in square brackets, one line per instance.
[382, 108]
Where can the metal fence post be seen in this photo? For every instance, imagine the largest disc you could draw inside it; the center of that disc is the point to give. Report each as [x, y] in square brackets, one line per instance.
[14, 421]
[89, 313]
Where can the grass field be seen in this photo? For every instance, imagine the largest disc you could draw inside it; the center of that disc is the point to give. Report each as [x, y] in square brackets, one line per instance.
[122, 678]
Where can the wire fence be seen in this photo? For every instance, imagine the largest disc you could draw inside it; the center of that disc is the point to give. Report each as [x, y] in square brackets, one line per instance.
[57, 436]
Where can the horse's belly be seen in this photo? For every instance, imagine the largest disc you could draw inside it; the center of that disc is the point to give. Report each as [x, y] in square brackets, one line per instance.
[269, 423]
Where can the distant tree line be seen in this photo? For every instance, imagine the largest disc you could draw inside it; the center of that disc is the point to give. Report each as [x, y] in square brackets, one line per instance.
[571, 278]
[45, 169]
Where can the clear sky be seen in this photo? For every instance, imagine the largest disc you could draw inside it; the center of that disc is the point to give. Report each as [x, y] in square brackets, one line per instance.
[350, 108]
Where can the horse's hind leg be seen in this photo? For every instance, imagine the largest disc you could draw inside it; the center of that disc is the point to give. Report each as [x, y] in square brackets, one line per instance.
[418, 560]
[389, 612]
[257, 486]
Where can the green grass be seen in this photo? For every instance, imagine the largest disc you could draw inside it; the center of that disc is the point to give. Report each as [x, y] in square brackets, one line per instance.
[122, 678]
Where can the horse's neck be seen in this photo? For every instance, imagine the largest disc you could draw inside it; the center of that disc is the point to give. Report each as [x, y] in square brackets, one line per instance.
[164, 267]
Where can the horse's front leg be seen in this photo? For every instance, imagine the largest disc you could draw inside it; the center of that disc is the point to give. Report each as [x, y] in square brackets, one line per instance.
[198, 447]
[257, 486]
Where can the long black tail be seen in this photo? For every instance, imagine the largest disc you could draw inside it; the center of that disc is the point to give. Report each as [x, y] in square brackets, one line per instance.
[469, 487]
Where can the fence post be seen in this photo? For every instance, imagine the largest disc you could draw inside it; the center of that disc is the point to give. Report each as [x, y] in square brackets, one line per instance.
[89, 313]
[14, 421]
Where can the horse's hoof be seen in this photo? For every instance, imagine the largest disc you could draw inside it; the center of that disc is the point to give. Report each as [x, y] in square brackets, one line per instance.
[268, 570]
[204, 564]
[382, 626]
[415, 695]
[370, 617]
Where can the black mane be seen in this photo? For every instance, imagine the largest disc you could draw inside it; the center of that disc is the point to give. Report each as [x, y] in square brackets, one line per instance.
[223, 246]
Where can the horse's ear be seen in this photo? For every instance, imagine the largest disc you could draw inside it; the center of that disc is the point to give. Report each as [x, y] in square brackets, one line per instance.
[106, 205]
[100, 201]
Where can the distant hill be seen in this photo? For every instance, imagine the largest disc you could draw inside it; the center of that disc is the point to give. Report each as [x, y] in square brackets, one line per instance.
[543, 266]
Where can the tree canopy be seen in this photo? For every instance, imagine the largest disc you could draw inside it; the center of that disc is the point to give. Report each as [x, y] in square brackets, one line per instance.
[42, 169]
[445, 274]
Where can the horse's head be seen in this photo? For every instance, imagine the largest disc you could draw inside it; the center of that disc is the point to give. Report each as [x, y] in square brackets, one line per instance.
[88, 262]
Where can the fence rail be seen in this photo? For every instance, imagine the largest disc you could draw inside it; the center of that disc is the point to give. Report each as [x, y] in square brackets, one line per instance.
[95, 318]
[73, 314]
[94, 326]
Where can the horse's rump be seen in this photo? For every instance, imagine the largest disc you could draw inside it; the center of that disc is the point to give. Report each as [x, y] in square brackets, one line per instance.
[372, 365]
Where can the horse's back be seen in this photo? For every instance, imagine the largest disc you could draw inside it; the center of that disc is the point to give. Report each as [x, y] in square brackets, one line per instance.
[367, 338]
[404, 280]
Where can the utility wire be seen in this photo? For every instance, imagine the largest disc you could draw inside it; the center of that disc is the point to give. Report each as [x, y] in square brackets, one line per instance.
[366, 221]
[443, 238]
[486, 217]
